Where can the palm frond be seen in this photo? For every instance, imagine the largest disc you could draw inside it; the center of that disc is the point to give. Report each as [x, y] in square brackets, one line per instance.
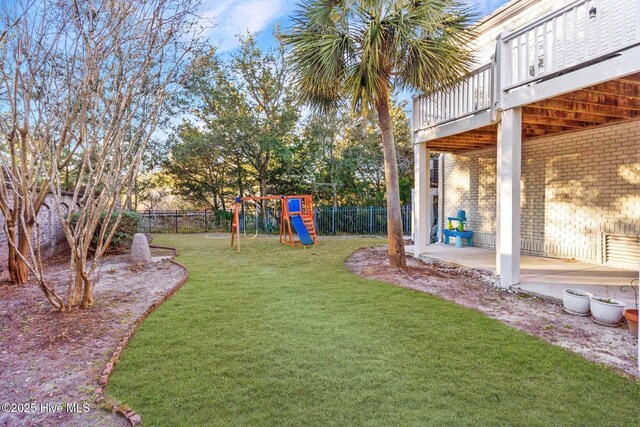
[359, 50]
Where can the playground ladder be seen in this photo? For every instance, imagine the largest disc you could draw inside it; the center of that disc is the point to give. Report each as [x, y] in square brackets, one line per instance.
[311, 226]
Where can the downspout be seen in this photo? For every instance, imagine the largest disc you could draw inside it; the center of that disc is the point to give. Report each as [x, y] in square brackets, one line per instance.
[441, 198]
[413, 213]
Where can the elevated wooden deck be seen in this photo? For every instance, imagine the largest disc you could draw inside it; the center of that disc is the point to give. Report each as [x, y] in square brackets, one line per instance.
[576, 68]
[602, 104]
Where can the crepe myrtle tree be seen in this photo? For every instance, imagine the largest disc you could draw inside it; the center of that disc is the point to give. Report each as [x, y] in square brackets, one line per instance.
[362, 51]
[35, 106]
[93, 95]
[134, 55]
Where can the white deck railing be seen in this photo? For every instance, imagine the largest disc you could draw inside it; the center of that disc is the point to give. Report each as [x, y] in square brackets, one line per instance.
[472, 95]
[571, 37]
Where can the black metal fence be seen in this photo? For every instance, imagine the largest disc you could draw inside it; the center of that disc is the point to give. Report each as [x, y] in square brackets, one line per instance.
[164, 221]
[358, 220]
[370, 220]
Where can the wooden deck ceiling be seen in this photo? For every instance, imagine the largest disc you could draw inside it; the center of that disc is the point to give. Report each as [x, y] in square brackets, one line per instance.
[605, 103]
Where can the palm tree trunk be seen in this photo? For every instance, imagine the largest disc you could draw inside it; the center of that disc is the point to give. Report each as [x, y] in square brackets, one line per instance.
[397, 257]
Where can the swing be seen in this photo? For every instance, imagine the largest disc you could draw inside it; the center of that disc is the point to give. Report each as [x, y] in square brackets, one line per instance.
[296, 214]
[245, 225]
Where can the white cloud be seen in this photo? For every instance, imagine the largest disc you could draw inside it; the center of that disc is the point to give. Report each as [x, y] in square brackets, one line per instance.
[227, 18]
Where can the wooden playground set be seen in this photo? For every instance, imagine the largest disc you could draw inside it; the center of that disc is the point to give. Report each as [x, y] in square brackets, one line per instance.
[296, 216]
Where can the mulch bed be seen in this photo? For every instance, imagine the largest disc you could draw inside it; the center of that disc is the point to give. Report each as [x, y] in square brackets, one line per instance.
[614, 347]
[49, 359]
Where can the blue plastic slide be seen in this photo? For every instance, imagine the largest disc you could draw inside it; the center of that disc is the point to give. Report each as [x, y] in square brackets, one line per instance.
[301, 229]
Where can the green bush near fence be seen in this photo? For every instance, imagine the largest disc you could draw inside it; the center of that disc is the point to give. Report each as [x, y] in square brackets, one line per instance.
[223, 216]
[130, 224]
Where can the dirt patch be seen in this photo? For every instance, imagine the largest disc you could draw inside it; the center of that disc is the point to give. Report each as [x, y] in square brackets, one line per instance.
[471, 288]
[49, 359]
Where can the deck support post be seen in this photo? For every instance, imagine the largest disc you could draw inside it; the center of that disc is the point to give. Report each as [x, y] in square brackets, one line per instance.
[509, 159]
[423, 201]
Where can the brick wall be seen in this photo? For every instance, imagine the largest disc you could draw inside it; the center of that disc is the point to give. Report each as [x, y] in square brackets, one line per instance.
[52, 237]
[575, 188]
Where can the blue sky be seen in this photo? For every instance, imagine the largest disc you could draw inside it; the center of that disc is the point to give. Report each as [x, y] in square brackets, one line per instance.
[238, 16]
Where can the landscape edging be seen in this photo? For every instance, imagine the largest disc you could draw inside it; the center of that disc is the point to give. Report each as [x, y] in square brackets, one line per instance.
[132, 417]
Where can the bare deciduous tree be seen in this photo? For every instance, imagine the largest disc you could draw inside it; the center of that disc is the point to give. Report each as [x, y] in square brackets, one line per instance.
[133, 55]
[93, 95]
[38, 101]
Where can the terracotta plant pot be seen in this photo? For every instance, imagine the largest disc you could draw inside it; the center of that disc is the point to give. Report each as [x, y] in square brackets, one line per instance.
[575, 301]
[606, 311]
[632, 320]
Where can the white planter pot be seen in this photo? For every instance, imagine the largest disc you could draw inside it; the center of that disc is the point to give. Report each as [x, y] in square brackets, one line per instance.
[575, 301]
[608, 313]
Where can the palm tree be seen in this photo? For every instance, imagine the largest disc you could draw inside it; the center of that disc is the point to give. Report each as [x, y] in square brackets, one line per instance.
[363, 50]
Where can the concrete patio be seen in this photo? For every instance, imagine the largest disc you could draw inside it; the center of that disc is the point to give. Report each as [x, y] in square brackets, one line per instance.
[540, 276]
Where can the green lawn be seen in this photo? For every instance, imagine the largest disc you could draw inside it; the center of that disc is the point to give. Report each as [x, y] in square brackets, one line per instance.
[275, 335]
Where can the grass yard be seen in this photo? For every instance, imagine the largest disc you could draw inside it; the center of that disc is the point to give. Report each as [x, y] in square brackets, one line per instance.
[275, 335]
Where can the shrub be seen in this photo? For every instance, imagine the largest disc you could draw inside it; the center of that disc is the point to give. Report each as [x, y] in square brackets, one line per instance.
[221, 215]
[130, 224]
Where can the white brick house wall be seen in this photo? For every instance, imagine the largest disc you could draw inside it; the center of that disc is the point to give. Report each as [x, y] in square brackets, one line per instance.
[575, 188]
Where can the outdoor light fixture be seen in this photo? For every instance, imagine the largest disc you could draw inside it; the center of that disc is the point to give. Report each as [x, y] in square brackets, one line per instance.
[592, 12]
